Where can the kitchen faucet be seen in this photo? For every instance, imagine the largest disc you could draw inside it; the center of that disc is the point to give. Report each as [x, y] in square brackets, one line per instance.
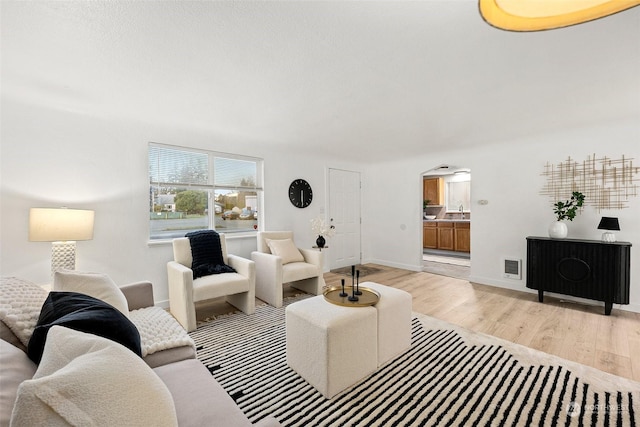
[461, 209]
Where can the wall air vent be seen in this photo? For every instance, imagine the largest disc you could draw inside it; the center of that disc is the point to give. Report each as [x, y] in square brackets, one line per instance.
[512, 268]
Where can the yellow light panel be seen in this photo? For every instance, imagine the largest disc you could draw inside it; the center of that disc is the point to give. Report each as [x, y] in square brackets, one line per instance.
[537, 15]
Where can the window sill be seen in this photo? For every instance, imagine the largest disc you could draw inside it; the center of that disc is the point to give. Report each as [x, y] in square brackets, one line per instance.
[228, 236]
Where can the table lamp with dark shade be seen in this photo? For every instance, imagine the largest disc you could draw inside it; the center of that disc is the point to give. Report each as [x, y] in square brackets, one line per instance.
[609, 223]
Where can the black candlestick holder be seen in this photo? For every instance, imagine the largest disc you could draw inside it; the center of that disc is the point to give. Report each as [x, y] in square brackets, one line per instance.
[358, 292]
[343, 293]
[353, 296]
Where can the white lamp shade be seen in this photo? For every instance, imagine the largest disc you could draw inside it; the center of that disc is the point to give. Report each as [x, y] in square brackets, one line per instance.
[60, 224]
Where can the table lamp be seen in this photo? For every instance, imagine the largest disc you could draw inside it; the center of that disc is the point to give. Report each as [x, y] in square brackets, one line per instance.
[608, 223]
[63, 227]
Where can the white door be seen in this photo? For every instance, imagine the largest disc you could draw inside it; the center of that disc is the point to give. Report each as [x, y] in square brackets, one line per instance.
[344, 215]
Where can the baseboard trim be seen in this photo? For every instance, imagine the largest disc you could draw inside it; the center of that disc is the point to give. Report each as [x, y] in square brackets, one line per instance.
[409, 267]
[520, 286]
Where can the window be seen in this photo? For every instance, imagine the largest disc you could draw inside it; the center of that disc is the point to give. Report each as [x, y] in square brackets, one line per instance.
[458, 193]
[196, 189]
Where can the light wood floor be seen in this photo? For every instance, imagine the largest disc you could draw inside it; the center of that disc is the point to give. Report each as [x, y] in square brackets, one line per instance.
[574, 331]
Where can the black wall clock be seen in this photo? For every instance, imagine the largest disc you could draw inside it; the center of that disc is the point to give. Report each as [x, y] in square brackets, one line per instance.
[300, 193]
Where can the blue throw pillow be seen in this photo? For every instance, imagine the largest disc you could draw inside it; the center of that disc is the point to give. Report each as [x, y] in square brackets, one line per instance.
[85, 314]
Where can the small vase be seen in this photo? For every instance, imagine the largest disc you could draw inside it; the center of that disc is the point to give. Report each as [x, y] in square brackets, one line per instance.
[558, 230]
[320, 242]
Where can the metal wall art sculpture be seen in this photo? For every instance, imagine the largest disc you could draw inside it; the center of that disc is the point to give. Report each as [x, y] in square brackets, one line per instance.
[606, 183]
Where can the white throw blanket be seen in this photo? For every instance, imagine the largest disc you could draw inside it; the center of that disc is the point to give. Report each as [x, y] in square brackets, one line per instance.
[159, 330]
[20, 305]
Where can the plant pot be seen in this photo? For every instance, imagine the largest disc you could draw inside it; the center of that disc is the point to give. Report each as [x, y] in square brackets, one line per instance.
[558, 230]
[320, 242]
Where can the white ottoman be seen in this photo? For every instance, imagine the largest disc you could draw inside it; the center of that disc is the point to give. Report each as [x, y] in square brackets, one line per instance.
[330, 346]
[394, 321]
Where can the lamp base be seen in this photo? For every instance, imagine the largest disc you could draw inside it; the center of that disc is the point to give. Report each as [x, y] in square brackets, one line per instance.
[63, 256]
[608, 237]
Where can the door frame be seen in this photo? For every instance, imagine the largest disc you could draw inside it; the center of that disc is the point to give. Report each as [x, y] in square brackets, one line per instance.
[332, 258]
[440, 170]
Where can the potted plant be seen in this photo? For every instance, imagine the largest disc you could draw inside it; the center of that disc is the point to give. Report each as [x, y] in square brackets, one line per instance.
[565, 210]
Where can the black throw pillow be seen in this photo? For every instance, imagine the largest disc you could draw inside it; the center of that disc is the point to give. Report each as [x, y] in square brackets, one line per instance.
[206, 252]
[85, 314]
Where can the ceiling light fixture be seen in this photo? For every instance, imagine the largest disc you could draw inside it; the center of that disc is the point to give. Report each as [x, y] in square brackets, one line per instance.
[536, 15]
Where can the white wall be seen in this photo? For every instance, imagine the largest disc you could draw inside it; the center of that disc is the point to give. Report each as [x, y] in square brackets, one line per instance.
[508, 175]
[52, 158]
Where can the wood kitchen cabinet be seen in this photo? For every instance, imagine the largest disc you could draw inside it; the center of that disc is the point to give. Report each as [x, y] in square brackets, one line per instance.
[430, 235]
[433, 190]
[462, 236]
[445, 236]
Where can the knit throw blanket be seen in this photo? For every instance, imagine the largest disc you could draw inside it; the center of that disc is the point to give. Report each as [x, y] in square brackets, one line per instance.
[158, 330]
[20, 305]
[206, 252]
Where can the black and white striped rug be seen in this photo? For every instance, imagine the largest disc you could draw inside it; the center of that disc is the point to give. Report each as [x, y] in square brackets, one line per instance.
[450, 376]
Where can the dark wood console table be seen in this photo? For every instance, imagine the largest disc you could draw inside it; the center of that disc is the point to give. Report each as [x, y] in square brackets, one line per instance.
[582, 268]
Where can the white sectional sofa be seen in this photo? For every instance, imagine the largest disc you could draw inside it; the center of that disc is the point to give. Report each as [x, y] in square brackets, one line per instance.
[84, 377]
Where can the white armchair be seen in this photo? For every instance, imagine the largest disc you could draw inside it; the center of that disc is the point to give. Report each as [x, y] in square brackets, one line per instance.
[185, 291]
[272, 271]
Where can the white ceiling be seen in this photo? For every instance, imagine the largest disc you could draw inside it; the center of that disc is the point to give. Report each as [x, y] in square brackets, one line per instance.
[360, 78]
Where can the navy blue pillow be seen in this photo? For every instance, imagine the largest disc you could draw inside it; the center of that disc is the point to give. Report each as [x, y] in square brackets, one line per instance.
[85, 314]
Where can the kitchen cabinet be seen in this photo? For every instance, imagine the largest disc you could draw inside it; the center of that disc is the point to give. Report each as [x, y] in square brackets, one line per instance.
[433, 190]
[430, 235]
[462, 236]
[445, 235]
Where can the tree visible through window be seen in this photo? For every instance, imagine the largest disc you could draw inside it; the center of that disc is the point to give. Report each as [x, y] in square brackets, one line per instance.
[195, 189]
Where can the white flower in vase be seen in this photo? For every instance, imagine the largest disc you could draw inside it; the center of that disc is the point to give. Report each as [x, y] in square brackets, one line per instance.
[320, 228]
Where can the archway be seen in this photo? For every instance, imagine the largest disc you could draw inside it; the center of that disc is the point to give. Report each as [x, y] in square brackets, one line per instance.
[446, 220]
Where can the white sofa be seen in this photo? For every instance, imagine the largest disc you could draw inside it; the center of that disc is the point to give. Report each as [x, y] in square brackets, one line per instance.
[179, 390]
